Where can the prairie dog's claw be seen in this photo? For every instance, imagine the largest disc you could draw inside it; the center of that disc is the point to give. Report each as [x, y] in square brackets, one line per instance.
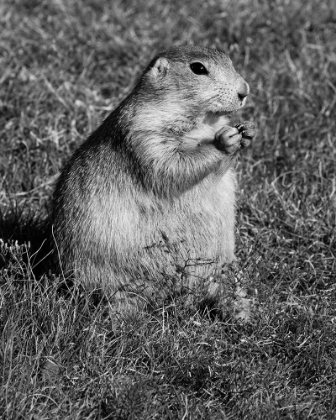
[246, 129]
[228, 140]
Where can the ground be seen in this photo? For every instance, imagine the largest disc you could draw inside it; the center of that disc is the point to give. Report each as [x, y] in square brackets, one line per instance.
[64, 66]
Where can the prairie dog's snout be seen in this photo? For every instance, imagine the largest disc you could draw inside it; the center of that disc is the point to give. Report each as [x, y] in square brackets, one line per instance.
[243, 90]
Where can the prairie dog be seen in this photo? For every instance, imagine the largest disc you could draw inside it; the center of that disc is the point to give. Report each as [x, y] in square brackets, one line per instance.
[153, 188]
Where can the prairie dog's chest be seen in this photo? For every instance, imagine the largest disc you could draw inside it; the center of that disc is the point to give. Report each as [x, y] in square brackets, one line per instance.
[205, 129]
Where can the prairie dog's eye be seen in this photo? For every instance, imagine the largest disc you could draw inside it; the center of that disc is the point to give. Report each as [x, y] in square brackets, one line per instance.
[198, 68]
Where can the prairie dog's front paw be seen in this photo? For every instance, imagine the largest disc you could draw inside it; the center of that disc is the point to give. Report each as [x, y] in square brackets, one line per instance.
[247, 131]
[228, 140]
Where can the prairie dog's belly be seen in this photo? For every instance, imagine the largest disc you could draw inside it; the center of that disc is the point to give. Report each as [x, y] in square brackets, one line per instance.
[202, 222]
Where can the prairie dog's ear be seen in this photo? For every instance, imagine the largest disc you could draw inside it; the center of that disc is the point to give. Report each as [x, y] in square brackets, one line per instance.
[160, 68]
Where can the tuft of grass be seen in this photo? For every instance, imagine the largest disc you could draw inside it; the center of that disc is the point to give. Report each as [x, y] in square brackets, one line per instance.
[65, 65]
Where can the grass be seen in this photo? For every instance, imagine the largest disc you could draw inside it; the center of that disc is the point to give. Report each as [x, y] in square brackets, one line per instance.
[64, 66]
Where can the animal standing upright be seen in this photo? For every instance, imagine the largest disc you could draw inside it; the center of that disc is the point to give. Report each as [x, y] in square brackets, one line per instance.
[154, 186]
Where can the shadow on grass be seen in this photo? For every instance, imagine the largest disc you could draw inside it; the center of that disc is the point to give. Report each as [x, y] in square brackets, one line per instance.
[29, 235]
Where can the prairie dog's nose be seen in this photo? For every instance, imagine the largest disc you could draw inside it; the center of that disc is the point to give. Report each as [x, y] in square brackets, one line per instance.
[243, 90]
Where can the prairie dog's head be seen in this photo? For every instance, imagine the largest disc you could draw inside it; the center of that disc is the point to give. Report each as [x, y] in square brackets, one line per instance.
[203, 78]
